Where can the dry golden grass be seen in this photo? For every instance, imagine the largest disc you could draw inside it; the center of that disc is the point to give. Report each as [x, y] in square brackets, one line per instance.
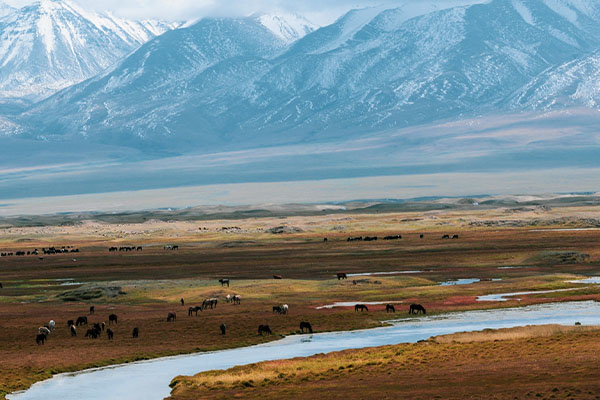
[522, 332]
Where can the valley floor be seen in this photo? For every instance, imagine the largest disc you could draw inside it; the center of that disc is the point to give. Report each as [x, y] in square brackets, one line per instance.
[510, 250]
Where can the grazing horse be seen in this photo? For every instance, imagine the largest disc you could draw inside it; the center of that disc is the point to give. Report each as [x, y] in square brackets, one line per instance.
[264, 329]
[113, 318]
[194, 309]
[135, 333]
[73, 331]
[224, 282]
[92, 333]
[361, 307]
[307, 326]
[455, 237]
[81, 321]
[236, 299]
[97, 327]
[110, 334]
[277, 277]
[416, 308]
[277, 309]
[228, 298]
[223, 328]
[284, 309]
[51, 325]
[171, 317]
[92, 309]
[446, 237]
[182, 302]
[70, 322]
[390, 308]
[43, 330]
[212, 303]
[40, 338]
[342, 275]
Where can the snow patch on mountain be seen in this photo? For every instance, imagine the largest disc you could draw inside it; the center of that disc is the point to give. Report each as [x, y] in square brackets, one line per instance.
[288, 27]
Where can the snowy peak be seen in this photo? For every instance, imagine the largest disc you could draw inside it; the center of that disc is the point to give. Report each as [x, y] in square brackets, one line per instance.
[5, 9]
[287, 27]
[52, 44]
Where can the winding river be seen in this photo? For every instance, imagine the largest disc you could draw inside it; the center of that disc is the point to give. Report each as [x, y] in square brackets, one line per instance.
[150, 379]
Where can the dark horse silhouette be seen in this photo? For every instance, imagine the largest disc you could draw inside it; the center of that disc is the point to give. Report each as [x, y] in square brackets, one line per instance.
[110, 334]
[307, 326]
[416, 308]
[92, 309]
[224, 282]
[73, 330]
[361, 307]
[81, 321]
[277, 309]
[194, 309]
[135, 333]
[342, 275]
[264, 329]
[223, 328]
[112, 318]
[277, 277]
[390, 308]
[171, 317]
[40, 338]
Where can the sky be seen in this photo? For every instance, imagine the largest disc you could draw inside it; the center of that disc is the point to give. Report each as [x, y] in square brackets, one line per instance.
[318, 11]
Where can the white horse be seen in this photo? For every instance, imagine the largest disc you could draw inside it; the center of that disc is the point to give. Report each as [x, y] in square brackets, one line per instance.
[284, 309]
[228, 298]
[52, 325]
[236, 299]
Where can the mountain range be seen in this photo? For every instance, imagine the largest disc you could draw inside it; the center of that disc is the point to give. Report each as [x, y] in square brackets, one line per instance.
[401, 75]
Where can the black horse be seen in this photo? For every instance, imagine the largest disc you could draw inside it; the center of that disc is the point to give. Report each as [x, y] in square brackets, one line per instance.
[110, 334]
[416, 308]
[40, 339]
[113, 318]
[342, 275]
[361, 307]
[390, 308]
[277, 309]
[224, 282]
[73, 331]
[307, 326]
[135, 333]
[92, 309]
[182, 302]
[92, 333]
[264, 329]
[70, 322]
[171, 317]
[223, 328]
[81, 321]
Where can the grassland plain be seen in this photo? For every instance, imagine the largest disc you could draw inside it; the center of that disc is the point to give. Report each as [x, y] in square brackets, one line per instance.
[142, 287]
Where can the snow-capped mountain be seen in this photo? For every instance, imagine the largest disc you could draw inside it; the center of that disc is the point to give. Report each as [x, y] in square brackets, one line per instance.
[232, 81]
[52, 44]
[288, 27]
[5, 9]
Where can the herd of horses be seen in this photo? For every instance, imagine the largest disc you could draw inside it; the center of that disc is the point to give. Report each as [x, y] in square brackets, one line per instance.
[36, 252]
[413, 308]
[388, 237]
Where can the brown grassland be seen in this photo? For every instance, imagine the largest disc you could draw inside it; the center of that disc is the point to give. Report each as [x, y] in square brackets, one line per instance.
[142, 287]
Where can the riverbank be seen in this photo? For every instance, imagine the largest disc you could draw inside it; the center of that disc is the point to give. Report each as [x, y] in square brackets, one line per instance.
[545, 362]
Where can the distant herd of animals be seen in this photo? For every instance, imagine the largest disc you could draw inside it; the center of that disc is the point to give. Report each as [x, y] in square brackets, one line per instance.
[71, 249]
[35, 252]
[389, 237]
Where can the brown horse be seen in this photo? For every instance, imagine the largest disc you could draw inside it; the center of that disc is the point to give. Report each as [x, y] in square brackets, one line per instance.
[390, 308]
[113, 318]
[342, 275]
[40, 338]
[171, 317]
[110, 334]
[416, 308]
[361, 307]
[277, 277]
[307, 326]
[194, 309]
[223, 328]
